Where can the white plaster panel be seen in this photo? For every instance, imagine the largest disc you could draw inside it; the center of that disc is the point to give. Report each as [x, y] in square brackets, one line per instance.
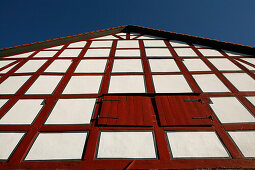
[171, 84]
[154, 43]
[185, 52]
[200, 46]
[106, 37]
[251, 99]
[101, 44]
[210, 83]
[149, 37]
[123, 36]
[2, 102]
[230, 110]
[31, 66]
[196, 65]
[8, 69]
[79, 44]
[121, 33]
[210, 52]
[55, 48]
[127, 53]
[24, 55]
[244, 141]
[126, 145]
[157, 52]
[70, 53]
[223, 64]
[163, 65]
[246, 65]
[91, 66]
[242, 81]
[44, 85]
[43, 54]
[127, 65]
[59, 66]
[133, 36]
[250, 60]
[128, 44]
[12, 84]
[4, 63]
[83, 85]
[8, 142]
[178, 44]
[72, 111]
[127, 84]
[196, 145]
[23, 111]
[97, 53]
[57, 146]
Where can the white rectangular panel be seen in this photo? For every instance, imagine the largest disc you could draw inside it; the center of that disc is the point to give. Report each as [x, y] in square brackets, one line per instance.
[23, 111]
[101, 44]
[83, 85]
[178, 44]
[23, 55]
[58, 146]
[4, 63]
[127, 65]
[58, 66]
[97, 53]
[251, 99]
[107, 37]
[223, 64]
[154, 43]
[127, 53]
[128, 44]
[171, 84]
[126, 145]
[80, 112]
[244, 141]
[230, 110]
[157, 52]
[163, 65]
[8, 142]
[44, 85]
[31, 66]
[210, 83]
[149, 37]
[79, 44]
[70, 53]
[12, 84]
[45, 54]
[2, 102]
[242, 81]
[91, 66]
[210, 52]
[196, 65]
[204, 144]
[127, 84]
[54, 48]
[185, 52]
[8, 69]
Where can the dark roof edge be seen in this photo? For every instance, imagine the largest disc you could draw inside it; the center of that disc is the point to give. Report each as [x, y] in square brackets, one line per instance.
[192, 39]
[58, 41]
[129, 28]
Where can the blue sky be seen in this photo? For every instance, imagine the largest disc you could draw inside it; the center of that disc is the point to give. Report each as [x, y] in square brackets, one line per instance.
[27, 21]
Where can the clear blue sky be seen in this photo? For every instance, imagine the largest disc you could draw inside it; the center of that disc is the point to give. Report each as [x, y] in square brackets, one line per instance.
[27, 21]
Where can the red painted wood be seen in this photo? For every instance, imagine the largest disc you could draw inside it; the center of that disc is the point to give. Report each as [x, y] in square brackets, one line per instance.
[127, 111]
[175, 111]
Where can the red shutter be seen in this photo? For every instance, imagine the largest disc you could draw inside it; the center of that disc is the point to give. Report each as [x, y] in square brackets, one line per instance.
[126, 111]
[183, 111]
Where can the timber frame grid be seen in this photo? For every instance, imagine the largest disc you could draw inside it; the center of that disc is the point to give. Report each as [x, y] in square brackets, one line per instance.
[164, 158]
